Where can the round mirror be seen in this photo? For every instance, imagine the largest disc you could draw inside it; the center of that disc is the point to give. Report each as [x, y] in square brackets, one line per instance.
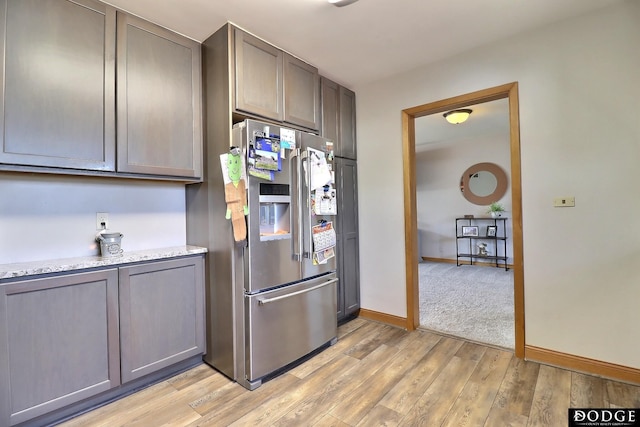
[483, 183]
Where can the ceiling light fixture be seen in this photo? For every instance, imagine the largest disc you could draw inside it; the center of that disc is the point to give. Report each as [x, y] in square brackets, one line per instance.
[341, 3]
[457, 116]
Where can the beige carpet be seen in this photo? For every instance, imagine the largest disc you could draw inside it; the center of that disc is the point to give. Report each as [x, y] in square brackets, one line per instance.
[468, 301]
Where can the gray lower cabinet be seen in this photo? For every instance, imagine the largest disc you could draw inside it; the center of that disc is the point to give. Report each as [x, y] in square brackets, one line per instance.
[58, 342]
[161, 315]
[57, 58]
[347, 238]
[159, 100]
[86, 337]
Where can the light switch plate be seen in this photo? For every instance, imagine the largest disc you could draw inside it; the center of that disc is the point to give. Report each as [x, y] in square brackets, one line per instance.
[564, 202]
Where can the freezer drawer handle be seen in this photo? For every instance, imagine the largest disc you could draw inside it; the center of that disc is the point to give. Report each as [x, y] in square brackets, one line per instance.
[264, 301]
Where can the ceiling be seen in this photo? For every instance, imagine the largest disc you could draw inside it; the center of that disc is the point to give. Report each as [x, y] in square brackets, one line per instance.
[367, 40]
[486, 119]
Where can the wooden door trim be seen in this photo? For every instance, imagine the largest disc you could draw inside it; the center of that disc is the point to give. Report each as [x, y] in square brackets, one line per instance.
[510, 91]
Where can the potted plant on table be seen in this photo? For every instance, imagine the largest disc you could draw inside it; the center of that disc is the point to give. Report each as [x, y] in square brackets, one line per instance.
[496, 210]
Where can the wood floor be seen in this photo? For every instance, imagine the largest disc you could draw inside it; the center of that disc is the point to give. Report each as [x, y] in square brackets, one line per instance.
[376, 375]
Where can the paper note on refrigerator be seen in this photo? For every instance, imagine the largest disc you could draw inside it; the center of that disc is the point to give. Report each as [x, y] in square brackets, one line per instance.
[325, 202]
[324, 242]
[319, 172]
[288, 138]
[266, 152]
[225, 169]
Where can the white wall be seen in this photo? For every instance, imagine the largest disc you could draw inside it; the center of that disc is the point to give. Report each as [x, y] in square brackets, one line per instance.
[50, 216]
[580, 136]
[439, 201]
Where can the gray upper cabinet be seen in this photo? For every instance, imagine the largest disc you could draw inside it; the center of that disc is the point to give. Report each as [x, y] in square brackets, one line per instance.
[161, 314]
[347, 137]
[57, 58]
[330, 97]
[272, 84]
[339, 117]
[259, 76]
[58, 342]
[159, 100]
[301, 93]
[59, 106]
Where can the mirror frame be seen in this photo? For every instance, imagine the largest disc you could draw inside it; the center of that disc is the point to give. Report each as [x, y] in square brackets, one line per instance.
[498, 193]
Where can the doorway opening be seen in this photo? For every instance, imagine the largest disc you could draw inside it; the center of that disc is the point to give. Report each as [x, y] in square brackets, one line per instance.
[509, 91]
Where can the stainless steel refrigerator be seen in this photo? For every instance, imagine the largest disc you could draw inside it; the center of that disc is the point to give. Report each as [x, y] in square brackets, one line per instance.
[273, 298]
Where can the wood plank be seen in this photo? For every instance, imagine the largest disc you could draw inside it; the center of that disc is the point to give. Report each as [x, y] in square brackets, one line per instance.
[278, 406]
[102, 416]
[621, 395]
[400, 339]
[192, 376]
[512, 404]
[357, 404]
[432, 407]
[380, 416]
[246, 400]
[474, 403]
[312, 409]
[551, 397]
[406, 392]
[168, 409]
[471, 351]
[365, 347]
[506, 418]
[588, 391]
[329, 420]
[344, 344]
[350, 326]
[217, 398]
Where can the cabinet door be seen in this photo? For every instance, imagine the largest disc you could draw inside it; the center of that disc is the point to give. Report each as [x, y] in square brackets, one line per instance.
[159, 100]
[329, 96]
[58, 342]
[301, 93]
[161, 314]
[57, 58]
[347, 144]
[258, 76]
[349, 261]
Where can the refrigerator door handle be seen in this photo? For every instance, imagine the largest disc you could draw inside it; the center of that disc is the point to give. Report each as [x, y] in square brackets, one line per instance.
[296, 214]
[308, 252]
[263, 301]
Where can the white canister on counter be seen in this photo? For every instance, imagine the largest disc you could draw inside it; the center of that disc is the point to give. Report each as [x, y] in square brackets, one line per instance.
[110, 243]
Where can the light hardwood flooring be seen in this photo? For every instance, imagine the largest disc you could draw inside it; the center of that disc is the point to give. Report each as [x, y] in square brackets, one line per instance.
[376, 375]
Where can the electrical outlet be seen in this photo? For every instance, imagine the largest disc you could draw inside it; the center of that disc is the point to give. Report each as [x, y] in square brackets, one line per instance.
[562, 202]
[102, 220]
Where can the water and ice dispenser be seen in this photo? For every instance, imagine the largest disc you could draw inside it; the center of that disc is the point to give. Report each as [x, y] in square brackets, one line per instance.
[275, 214]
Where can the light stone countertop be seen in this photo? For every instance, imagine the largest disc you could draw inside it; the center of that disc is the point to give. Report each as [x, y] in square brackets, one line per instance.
[24, 269]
